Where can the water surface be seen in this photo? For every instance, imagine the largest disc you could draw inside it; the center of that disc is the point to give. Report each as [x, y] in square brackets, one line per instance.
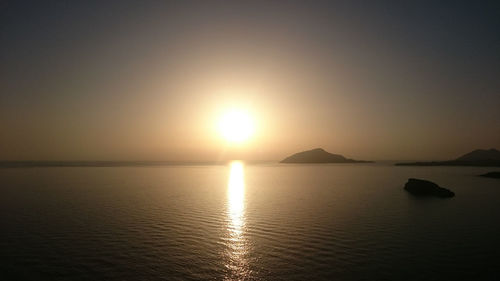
[246, 222]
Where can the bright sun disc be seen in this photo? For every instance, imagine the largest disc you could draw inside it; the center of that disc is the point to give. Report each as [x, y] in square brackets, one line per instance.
[236, 126]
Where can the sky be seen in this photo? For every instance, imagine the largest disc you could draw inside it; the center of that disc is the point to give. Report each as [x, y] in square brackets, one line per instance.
[141, 80]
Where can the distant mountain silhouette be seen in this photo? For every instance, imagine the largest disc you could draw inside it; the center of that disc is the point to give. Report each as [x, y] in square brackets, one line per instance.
[481, 155]
[478, 157]
[319, 155]
[495, 175]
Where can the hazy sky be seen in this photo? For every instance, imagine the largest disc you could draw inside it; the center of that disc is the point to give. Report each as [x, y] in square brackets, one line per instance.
[137, 80]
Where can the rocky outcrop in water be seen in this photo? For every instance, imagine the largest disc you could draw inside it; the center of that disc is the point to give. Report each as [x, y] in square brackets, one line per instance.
[425, 188]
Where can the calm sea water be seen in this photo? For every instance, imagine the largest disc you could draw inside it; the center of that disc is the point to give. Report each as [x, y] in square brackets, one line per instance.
[247, 222]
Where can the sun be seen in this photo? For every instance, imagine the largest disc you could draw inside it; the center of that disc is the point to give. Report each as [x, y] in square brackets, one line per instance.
[236, 126]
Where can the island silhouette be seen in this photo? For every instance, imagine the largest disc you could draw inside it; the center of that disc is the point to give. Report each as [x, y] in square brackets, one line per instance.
[319, 155]
[478, 157]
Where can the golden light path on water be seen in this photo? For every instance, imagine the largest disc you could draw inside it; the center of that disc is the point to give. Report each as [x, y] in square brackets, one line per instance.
[236, 264]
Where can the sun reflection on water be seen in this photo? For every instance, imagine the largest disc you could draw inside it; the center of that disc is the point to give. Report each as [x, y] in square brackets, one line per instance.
[236, 245]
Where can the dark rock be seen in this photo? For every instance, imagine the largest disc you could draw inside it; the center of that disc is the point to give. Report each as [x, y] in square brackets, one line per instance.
[495, 175]
[419, 187]
[319, 155]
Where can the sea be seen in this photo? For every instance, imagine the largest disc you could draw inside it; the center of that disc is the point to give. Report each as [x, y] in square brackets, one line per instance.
[241, 221]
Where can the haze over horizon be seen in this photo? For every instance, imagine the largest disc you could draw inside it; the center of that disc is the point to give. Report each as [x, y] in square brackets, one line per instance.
[141, 80]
